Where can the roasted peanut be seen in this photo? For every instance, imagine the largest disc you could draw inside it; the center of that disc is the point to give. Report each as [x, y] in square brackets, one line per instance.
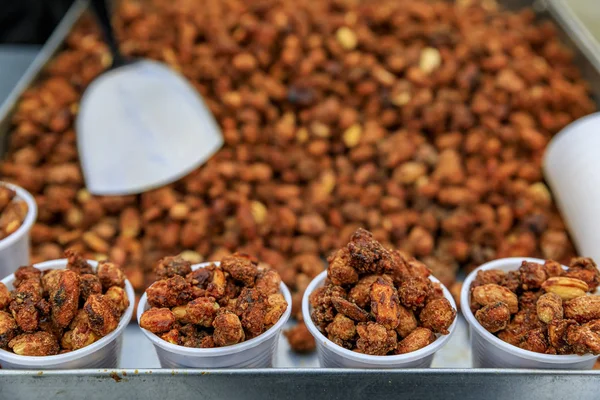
[583, 309]
[157, 320]
[201, 311]
[118, 298]
[341, 331]
[375, 339]
[438, 315]
[276, 306]
[533, 275]
[89, 284]
[77, 263]
[110, 274]
[535, 340]
[228, 329]
[34, 344]
[102, 319]
[584, 339]
[349, 309]
[566, 288]
[50, 280]
[8, 328]
[65, 299]
[171, 266]
[549, 307]
[80, 335]
[268, 281]
[240, 268]
[385, 304]
[4, 296]
[557, 335]
[340, 271]
[493, 317]
[11, 216]
[492, 293]
[413, 292]
[584, 269]
[408, 322]
[26, 273]
[360, 294]
[553, 268]
[417, 339]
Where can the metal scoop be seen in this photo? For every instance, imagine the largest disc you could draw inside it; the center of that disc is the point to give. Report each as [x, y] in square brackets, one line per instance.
[140, 124]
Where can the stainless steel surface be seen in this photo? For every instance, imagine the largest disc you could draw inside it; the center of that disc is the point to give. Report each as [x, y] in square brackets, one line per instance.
[299, 384]
[294, 376]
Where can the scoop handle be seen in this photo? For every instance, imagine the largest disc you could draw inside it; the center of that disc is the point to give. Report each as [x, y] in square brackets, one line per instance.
[102, 14]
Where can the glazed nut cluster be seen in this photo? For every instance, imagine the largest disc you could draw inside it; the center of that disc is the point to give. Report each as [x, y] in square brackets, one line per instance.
[61, 310]
[541, 307]
[422, 121]
[213, 306]
[378, 301]
[12, 211]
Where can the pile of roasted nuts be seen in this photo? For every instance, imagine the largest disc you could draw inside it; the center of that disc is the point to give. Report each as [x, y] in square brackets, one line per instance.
[219, 305]
[422, 121]
[12, 211]
[377, 302]
[61, 310]
[541, 307]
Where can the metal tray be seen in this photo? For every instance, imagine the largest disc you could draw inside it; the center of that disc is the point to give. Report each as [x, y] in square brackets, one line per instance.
[296, 376]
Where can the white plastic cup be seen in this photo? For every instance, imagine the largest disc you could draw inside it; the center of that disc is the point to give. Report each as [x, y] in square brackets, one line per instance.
[332, 355]
[103, 353]
[257, 352]
[488, 351]
[571, 167]
[14, 249]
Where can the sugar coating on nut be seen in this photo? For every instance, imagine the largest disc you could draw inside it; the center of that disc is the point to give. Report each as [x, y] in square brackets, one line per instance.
[492, 293]
[34, 344]
[228, 329]
[110, 274]
[171, 266]
[64, 299]
[417, 339]
[438, 315]
[8, 328]
[493, 317]
[157, 320]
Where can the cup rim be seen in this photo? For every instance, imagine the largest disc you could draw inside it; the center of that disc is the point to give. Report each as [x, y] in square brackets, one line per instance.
[42, 361]
[216, 351]
[29, 218]
[465, 302]
[430, 349]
